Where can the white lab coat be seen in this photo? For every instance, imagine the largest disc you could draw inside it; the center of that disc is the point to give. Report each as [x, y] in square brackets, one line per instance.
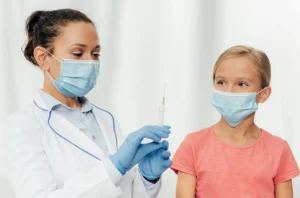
[44, 164]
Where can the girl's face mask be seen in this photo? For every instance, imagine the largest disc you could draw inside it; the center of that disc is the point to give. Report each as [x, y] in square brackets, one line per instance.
[234, 107]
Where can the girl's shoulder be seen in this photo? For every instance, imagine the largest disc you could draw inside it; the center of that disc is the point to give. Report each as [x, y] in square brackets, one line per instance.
[273, 144]
[199, 137]
[272, 140]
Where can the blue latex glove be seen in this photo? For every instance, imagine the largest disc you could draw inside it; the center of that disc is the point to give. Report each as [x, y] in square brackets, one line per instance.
[155, 163]
[132, 150]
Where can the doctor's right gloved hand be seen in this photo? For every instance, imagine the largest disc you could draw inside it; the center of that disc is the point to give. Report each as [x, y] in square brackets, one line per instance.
[132, 150]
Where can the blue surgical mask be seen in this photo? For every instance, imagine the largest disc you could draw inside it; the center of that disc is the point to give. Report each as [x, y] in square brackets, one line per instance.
[234, 107]
[77, 77]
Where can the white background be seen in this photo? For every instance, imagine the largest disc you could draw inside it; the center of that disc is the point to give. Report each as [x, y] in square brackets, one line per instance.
[147, 43]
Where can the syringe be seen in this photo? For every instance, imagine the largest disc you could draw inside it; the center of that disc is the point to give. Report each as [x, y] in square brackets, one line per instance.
[161, 116]
[161, 113]
[161, 109]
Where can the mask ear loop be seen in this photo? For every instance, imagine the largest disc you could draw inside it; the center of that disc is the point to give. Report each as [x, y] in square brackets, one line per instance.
[261, 90]
[41, 66]
[53, 57]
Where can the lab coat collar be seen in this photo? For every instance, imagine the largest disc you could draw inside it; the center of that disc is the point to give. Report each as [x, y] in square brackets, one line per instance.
[40, 103]
[49, 102]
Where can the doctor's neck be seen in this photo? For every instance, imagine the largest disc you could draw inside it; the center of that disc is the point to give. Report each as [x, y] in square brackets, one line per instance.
[52, 91]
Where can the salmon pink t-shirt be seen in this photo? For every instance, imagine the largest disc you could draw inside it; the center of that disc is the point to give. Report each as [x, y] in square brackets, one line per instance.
[225, 171]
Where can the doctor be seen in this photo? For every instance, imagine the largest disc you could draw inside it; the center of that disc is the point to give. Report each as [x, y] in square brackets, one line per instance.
[61, 145]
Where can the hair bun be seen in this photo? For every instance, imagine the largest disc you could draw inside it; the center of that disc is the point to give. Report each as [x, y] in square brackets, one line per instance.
[32, 21]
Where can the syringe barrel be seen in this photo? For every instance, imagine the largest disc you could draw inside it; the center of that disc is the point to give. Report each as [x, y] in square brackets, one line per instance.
[161, 115]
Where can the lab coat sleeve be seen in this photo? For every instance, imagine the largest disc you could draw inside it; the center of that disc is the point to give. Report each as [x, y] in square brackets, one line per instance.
[31, 176]
[152, 189]
[140, 184]
[112, 172]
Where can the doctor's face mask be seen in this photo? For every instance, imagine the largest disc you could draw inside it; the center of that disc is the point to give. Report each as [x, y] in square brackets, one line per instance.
[77, 77]
[239, 85]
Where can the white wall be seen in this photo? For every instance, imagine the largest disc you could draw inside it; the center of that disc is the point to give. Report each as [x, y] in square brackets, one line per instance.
[147, 43]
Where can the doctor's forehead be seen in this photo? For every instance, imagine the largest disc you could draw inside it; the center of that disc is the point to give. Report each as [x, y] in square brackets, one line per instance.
[80, 34]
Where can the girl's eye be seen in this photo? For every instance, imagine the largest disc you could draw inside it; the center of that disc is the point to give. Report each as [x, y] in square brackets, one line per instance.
[243, 84]
[220, 82]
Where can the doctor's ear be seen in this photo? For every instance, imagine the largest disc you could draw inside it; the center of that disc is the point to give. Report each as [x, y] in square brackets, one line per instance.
[264, 95]
[40, 56]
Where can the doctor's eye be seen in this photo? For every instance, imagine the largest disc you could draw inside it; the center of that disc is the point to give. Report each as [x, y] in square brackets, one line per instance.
[77, 54]
[96, 55]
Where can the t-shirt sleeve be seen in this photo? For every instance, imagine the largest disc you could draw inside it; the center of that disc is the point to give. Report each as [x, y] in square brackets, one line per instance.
[183, 159]
[288, 167]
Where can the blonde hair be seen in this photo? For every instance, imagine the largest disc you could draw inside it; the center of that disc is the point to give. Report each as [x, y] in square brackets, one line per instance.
[257, 57]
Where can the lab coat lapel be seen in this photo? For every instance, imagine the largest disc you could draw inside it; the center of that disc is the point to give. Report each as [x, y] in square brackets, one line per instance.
[73, 135]
[107, 126]
[67, 131]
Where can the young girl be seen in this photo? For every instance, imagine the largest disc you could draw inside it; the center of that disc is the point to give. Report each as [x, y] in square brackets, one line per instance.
[235, 158]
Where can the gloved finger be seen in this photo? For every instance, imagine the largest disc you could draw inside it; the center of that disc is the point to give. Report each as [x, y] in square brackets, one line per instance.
[159, 133]
[137, 137]
[167, 126]
[160, 128]
[166, 154]
[149, 147]
[145, 149]
[151, 136]
[165, 144]
[151, 132]
[167, 163]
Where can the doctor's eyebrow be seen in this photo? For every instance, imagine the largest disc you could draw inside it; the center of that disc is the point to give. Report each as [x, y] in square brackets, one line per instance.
[84, 45]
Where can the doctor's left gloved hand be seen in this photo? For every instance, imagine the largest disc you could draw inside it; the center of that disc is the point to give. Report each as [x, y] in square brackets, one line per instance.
[155, 163]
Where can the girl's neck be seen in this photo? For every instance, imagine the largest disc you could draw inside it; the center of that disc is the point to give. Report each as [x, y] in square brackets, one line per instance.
[243, 134]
